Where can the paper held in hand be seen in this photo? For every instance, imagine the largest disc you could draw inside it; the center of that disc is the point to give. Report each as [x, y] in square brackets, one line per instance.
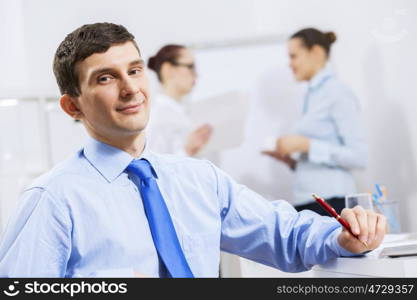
[227, 114]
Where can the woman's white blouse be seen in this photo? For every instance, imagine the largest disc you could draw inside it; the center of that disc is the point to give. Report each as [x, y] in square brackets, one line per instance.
[168, 126]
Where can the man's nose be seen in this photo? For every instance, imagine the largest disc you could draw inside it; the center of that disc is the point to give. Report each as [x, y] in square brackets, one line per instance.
[129, 87]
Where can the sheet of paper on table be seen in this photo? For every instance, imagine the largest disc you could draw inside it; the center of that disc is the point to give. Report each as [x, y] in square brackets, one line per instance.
[396, 245]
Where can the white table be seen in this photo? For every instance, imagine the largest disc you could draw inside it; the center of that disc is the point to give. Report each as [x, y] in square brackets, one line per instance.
[368, 267]
[365, 266]
[340, 267]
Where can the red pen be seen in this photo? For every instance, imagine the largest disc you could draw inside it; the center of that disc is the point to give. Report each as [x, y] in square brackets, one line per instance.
[335, 215]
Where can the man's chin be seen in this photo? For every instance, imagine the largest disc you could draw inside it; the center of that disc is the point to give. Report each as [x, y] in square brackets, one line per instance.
[133, 126]
[132, 131]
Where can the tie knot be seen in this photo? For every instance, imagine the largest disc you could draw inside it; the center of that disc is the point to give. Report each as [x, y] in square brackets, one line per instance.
[141, 168]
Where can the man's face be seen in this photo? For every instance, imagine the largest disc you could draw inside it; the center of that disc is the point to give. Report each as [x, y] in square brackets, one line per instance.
[114, 98]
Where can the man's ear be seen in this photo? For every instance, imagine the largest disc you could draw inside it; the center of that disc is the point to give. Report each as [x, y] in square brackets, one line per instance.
[71, 106]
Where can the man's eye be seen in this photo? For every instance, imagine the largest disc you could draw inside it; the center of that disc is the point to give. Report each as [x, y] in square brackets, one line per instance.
[135, 71]
[103, 79]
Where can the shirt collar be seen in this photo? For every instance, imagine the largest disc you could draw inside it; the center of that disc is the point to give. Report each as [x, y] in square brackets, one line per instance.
[110, 161]
[325, 73]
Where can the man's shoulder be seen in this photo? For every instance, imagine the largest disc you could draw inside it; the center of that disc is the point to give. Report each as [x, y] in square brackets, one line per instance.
[179, 164]
[61, 173]
[173, 160]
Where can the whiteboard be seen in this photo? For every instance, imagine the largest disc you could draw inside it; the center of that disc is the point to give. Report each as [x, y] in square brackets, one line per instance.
[262, 72]
[234, 68]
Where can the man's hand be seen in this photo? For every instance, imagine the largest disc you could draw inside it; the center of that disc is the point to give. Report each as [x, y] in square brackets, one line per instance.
[369, 226]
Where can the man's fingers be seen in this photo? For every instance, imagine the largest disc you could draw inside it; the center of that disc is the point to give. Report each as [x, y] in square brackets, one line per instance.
[372, 223]
[380, 230]
[368, 226]
[350, 217]
[362, 219]
[381, 226]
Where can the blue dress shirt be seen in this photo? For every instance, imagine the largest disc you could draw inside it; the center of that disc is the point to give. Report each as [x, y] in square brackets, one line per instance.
[331, 119]
[85, 218]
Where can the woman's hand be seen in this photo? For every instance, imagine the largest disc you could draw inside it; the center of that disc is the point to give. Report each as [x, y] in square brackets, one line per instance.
[288, 144]
[197, 139]
[291, 163]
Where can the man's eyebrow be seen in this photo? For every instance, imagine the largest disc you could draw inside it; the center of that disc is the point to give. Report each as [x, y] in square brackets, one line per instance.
[102, 70]
[108, 70]
[137, 62]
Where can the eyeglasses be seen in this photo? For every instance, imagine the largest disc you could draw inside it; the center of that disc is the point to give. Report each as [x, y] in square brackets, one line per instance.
[191, 66]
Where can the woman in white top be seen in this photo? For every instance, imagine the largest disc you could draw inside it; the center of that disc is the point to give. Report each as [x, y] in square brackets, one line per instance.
[170, 129]
[328, 137]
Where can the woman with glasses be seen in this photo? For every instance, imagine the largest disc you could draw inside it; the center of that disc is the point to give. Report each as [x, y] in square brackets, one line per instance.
[327, 142]
[170, 129]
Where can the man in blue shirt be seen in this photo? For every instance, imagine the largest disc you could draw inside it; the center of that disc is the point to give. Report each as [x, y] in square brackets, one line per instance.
[89, 215]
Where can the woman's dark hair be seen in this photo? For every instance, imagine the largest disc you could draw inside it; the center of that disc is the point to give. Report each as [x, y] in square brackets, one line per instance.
[312, 36]
[168, 53]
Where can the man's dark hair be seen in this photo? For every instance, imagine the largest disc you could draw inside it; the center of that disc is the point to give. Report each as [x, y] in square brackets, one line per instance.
[80, 44]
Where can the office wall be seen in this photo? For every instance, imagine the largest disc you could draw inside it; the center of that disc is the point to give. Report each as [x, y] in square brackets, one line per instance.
[260, 71]
[374, 54]
[40, 25]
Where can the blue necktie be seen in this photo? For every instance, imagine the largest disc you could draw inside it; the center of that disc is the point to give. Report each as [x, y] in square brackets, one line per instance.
[160, 222]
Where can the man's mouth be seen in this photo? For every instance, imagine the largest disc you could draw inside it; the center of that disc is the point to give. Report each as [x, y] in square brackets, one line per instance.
[131, 108]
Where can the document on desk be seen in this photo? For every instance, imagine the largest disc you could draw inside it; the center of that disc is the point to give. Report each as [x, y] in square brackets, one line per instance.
[227, 114]
[398, 245]
[399, 251]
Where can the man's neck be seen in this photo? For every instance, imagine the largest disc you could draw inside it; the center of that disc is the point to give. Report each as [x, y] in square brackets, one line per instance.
[134, 144]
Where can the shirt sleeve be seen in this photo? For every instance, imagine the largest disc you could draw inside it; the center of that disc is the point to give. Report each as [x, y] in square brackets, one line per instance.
[37, 240]
[351, 152]
[273, 232]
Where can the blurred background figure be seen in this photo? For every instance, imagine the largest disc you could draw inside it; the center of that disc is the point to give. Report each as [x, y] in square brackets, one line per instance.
[170, 129]
[327, 142]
